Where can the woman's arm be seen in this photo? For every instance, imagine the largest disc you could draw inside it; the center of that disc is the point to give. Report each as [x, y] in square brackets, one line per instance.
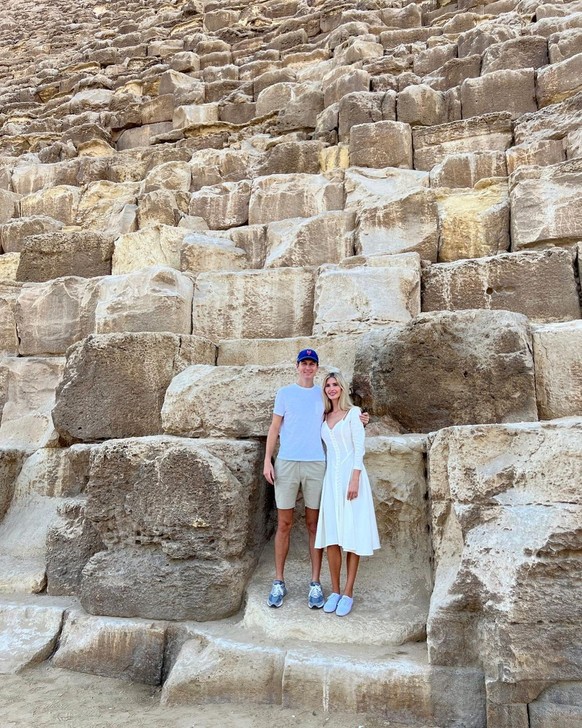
[358, 439]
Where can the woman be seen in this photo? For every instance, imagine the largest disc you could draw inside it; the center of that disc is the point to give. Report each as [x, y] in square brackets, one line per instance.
[346, 515]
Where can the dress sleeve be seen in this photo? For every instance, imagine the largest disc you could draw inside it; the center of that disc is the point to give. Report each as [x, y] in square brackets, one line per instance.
[358, 438]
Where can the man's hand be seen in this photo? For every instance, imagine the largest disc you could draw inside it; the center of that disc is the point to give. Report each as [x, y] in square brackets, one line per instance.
[354, 486]
[364, 418]
[269, 472]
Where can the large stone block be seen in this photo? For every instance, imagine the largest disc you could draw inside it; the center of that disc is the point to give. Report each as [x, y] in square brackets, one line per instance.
[540, 285]
[114, 384]
[60, 202]
[14, 234]
[299, 242]
[283, 196]
[516, 53]
[504, 90]
[473, 223]
[222, 206]
[276, 303]
[130, 649]
[557, 356]
[559, 81]
[28, 634]
[341, 81]
[466, 169]
[449, 368]
[104, 206]
[360, 293]
[188, 514]
[364, 107]
[383, 144]
[420, 104]
[52, 255]
[491, 132]
[201, 252]
[155, 245]
[545, 205]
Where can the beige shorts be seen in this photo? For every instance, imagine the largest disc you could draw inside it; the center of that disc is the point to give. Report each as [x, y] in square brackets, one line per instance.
[292, 474]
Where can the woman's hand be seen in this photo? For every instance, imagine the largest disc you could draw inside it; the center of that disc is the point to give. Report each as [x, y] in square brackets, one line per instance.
[354, 485]
[364, 418]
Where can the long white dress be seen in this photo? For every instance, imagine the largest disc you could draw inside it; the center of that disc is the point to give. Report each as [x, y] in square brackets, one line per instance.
[349, 523]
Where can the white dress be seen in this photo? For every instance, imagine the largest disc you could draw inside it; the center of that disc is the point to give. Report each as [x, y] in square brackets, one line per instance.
[349, 523]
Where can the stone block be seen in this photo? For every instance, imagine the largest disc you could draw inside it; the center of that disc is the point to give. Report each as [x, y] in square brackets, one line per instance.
[293, 158]
[516, 53]
[449, 368]
[384, 144]
[362, 293]
[491, 132]
[466, 169]
[15, 233]
[59, 202]
[476, 40]
[104, 205]
[432, 58]
[364, 107]
[155, 245]
[557, 351]
[194, 115]
[185, 88]
[28, 633]
[277, 303]
[200, 253]
[422, 105]
[453, 72]
[559, 81]
[175, 176]
[539, 152]
[300, 242]
[213, 166]
[279, 197]
[142, 136]
[250, 238]
[504, 90]
[545, 205]
[473, 223]
[540, 285]
[565, 44]
[8, 333]
[51, 255]
[341, 81]
[303, 108]
[8, 202]
[129, 649]
[136, 367]
[223, 205]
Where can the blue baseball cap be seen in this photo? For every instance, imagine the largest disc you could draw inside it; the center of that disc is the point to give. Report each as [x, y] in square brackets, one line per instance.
[308, 354]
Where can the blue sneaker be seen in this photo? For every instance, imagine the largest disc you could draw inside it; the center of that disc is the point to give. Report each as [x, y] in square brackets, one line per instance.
[278, 592]
[331, 604]
[316, 599]
[344, 606]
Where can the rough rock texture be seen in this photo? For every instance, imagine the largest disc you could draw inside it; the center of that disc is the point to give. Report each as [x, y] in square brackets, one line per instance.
[557, 355]
[449, 368]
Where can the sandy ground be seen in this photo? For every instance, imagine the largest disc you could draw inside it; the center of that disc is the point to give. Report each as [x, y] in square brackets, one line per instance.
[46, 696]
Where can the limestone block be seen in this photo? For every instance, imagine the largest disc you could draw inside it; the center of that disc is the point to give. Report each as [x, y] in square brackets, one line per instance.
[545, 205]
[156, 245]
[421, 105]
[166, 47]
[194, 114]
[283, 196]
[487, 482]
[151, 299]
[361, 293]
[277, 303]
[120, 648]
[28, 633]
[293, 157]
[48, 256]
[371, 187]
[191, 513]
[113, 384]
[185, 88]
[557, 350]
[200, 252]
[473, 223]
[564, 45]
[559, 81]
[363, 107]
[8, 333]
[476, 40]
[170, 176]
[104, 203]
[490, 132]
[524, 52]
[156, 110]
[384, 144]
[449, 368]
[466, 169]
[504, 90]
[213, 166]
[299, 242]
[26, 417]
[541, 152]
[70, 542]
[432, 58]
[253, 675]
[14, 234]
[9, 263]
[91, 99]
[159, 207]
[7, 205]
[142, 136]
[250, 238]
[540, 285]
[358, 50]
[341, 81]
[303, 108]
[223, 205]
[452, 73]
[59, 202]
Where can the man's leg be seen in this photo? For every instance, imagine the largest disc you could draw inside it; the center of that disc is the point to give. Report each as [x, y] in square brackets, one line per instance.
[282, 538]
[316, 555]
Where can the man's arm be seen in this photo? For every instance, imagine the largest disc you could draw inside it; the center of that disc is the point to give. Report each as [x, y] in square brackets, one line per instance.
[272, 435]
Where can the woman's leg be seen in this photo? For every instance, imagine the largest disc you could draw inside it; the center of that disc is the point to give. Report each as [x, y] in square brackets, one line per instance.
[352, 562]
[334, 559]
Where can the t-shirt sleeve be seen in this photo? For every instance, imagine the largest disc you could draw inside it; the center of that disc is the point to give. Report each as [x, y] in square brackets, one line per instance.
[358, 438]
[279, 408]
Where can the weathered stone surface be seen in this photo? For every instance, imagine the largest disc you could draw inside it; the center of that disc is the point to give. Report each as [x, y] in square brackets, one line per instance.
[28, 634]
[59, 202]
[466, 169]
[449, 368]
[516, 53]
[324, 238]
[55, 254]
[559, 81]
[192, 513]
[504, 90]
[545, 205]
[136, 367]
[293, 158]
[362, 293]
[487, 482]
[542, 152]
[201, 253]
[557, 356]
[364, 107]
[222, 206]
[383, 144]
[420, 104]
[194, 114]
[473, 223]
[491, 132]
[540, 285]
[277, 303]
[156, 245]
[104, 206]
[341, 81]
[14, 234]
[119, 648]
[283, 196]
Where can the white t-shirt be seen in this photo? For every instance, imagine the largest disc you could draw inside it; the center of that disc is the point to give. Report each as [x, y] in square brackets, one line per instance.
[302, 411]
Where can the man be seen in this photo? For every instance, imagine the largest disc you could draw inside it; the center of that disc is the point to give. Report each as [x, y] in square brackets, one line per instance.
[297, 419]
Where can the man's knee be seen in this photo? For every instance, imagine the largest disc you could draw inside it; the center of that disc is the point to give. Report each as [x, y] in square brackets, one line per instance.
[284, 520]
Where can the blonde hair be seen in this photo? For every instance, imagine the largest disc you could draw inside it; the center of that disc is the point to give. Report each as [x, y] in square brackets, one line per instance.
[345, 403]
